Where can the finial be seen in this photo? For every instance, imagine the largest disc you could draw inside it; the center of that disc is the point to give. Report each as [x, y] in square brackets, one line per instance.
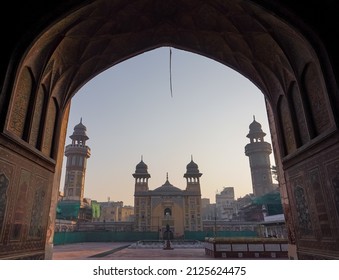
[253, 117]
[191, 157]
[166, 176]
[142, 158]
[81, 120]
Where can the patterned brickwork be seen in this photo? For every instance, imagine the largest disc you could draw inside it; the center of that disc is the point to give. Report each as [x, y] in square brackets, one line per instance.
[313, 192]
[317, 99]
[25, 190]
[20, 104]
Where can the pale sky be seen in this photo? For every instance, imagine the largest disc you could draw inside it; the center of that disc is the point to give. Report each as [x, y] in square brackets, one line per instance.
[129, 112]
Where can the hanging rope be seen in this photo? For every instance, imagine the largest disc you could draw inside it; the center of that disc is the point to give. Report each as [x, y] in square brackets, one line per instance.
[170, 70]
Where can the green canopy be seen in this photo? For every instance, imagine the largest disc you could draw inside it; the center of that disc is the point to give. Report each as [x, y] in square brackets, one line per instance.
[68, 210]
[268, 198]
[272, 201]
[95, 209]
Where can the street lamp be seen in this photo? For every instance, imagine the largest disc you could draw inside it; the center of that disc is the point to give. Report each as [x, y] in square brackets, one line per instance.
[215, 213]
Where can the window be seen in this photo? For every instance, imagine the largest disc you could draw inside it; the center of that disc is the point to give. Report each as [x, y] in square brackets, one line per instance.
[167, 212]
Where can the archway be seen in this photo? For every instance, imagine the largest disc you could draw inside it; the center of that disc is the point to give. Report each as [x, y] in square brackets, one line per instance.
[87, 40]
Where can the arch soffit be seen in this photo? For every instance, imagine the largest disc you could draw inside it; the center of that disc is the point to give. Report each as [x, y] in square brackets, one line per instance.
[104, 33]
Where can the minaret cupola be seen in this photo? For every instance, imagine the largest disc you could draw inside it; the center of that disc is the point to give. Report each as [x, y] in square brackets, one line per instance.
[141, 176]
[192, 176]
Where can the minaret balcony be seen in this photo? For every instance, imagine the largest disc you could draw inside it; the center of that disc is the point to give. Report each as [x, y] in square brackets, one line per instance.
[77, 149]
[258, 147]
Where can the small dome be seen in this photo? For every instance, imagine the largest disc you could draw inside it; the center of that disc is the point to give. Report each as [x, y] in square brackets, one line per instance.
[255, 130]
[192, 167]
[255, 127]
[79, 131]
[141, 168]
[80, 126]
[192, 170]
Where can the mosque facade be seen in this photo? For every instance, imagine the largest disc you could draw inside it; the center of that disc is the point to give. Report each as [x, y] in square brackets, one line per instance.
[168, 206]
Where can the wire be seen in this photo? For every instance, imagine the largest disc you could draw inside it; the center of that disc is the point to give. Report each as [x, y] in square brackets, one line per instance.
[170, 70]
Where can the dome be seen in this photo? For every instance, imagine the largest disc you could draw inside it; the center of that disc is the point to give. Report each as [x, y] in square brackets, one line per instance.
[255, 130]
[192, 167]
[167, 188]
[192, 170]
[255, 127]
[79, 131]
[141, 168]
[80, 127]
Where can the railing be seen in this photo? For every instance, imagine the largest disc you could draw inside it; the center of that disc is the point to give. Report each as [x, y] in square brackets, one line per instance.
[246, 248]
[156, 244]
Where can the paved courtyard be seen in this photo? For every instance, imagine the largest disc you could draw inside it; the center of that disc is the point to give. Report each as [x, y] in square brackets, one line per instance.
[121, 251]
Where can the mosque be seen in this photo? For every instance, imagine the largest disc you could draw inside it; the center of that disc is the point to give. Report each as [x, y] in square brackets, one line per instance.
[167, 206]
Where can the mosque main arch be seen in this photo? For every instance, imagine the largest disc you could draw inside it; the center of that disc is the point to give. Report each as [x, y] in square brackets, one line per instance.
[72, 43]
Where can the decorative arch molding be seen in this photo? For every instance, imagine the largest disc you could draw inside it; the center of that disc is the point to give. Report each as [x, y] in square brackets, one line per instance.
[20, 102]
[238, 34]
[315, 95]
[50, 128]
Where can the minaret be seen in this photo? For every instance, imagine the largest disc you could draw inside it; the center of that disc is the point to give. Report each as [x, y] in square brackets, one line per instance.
[141, 176]
[141, 206]
[192, 176]
[193, 220]
[77, 154]
[258, 152]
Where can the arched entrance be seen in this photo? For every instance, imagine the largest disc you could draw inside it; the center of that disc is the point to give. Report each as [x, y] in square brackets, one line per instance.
[85, 40]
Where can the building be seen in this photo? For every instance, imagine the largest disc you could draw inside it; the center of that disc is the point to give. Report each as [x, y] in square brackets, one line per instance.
[115, 211]
[205, 202]
[73, 205]
[167, 205]
[225, 204]
[208, 209]
[259, 152]
[109, 216]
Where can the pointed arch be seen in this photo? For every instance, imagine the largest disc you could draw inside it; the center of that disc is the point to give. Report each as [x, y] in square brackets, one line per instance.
[316, 100]
[286, 126]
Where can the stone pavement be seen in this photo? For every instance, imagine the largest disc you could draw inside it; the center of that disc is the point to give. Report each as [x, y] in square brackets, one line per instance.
[120, 251]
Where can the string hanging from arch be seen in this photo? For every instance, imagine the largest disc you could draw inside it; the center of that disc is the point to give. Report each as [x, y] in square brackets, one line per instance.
[170, 71]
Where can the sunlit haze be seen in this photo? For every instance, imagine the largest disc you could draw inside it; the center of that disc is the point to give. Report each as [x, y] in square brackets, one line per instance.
[130, 113]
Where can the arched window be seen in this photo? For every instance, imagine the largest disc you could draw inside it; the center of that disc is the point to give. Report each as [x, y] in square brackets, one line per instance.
[167, 212]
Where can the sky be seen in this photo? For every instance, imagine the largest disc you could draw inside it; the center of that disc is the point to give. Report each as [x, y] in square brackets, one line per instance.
[130, 112]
